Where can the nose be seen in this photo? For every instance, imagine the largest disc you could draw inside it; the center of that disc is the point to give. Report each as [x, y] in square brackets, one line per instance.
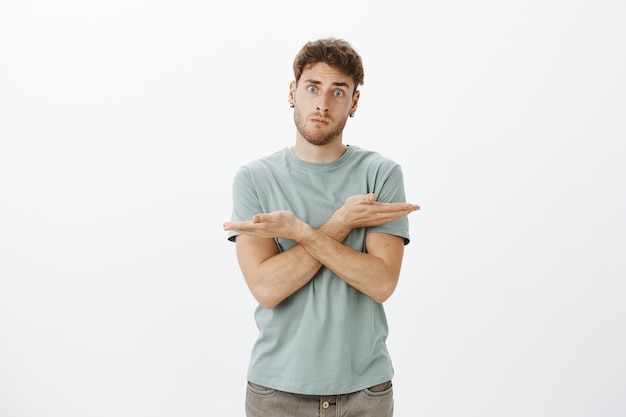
[322, 109]
[322, 106]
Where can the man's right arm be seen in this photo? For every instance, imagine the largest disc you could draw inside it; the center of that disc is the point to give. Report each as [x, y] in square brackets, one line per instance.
[273, 276]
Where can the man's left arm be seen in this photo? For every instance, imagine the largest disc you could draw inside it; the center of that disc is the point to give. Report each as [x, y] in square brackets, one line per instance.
[374, 273]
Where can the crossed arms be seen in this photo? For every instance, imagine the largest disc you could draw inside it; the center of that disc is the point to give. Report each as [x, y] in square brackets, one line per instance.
[273, 276]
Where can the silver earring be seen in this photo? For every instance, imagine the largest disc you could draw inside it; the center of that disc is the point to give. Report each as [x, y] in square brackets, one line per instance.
[351, 114]
[291, 105]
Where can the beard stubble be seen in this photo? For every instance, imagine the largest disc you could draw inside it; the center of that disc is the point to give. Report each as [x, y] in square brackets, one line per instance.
[314, 135]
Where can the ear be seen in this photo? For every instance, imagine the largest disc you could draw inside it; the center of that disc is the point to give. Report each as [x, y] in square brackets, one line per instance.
[355, 101]
[292, 93]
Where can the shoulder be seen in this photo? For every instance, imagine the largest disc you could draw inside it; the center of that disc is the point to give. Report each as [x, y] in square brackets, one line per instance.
[267, 162]
[373, 159]
[262, 171]
[367, 154]
[262, 165]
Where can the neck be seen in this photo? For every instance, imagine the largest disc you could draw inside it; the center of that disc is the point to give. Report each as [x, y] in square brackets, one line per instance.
[319, 153]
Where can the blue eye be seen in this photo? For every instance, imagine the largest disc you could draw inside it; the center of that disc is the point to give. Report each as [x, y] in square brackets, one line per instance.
[338, 93]
[312, 89]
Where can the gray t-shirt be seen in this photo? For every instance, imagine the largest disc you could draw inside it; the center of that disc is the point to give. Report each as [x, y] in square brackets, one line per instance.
[327, 338]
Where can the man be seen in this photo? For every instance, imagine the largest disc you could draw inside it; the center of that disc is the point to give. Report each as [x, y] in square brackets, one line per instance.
[320, 230]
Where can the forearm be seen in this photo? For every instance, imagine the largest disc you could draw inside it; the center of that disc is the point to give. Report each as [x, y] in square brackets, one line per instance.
[282, 274]
[274, 276]
[375, 276]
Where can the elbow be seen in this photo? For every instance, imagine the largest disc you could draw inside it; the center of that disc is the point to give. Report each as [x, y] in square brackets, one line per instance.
[381, 297]
[265, 299]
[385, 290]
[261, 293]
[267, 304]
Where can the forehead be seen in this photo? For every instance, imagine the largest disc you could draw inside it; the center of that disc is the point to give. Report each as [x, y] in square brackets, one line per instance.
[320, 72]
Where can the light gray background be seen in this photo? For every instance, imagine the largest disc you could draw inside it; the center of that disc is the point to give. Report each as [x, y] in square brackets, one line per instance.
[122, 123]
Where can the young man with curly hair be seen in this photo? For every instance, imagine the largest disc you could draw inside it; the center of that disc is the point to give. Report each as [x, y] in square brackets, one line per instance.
[320, 229]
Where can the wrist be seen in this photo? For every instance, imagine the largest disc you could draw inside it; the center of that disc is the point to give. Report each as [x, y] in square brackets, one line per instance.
[337, 226]
[340, 218]
[304, 233]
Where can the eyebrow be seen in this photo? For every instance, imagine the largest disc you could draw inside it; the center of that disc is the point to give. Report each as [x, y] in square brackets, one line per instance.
[338, 84]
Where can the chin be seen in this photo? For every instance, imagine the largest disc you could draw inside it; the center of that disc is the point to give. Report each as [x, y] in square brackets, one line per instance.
[319, 142]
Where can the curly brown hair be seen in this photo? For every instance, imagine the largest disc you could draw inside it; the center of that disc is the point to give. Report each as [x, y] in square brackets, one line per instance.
[335, 52]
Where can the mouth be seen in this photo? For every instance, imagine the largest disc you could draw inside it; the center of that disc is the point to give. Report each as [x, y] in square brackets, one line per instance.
[319, 121]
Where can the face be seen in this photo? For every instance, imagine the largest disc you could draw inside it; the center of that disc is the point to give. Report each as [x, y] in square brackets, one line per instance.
[322, 101]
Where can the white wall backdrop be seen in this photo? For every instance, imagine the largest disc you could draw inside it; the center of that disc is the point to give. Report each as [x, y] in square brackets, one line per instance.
[123, 122]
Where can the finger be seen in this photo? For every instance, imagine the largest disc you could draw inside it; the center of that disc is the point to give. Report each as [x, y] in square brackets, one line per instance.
[260, 218]
[410, 206]
[395, 207]
[237, 225]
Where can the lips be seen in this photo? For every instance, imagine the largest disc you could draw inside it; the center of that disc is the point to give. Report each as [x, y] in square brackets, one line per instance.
[319, 121]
